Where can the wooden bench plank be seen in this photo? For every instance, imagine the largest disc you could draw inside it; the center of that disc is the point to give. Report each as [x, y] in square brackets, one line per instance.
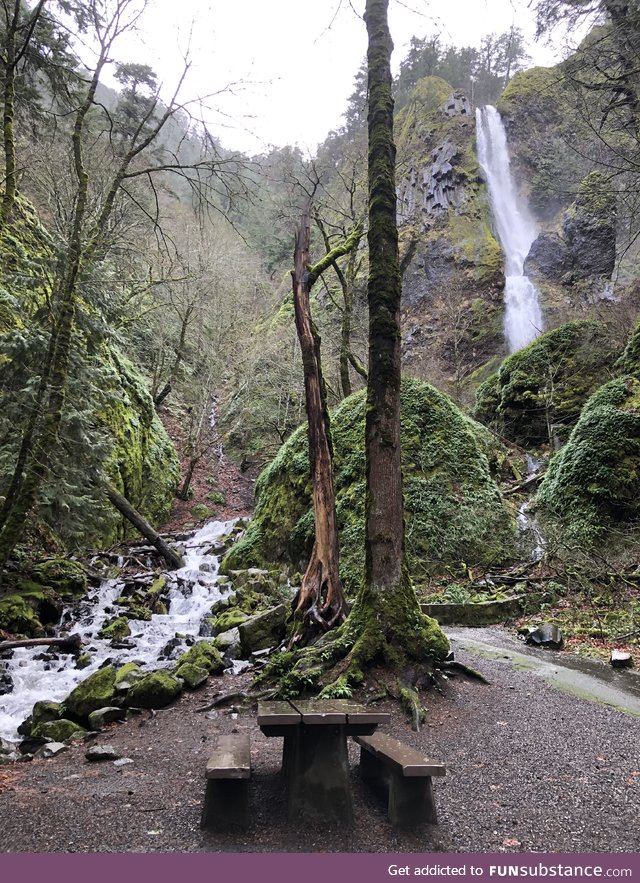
[277, 713]
[231, 758]
[320, 711]
[404, 758]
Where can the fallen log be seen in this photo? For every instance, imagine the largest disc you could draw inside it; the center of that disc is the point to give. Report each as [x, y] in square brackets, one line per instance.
[173, 559]
[71, 644]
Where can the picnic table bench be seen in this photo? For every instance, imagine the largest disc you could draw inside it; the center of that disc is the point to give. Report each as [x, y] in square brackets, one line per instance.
[226, 798]
[404, 774]
[315, 758]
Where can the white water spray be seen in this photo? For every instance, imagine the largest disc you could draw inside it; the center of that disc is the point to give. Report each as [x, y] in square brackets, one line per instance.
[516, 231]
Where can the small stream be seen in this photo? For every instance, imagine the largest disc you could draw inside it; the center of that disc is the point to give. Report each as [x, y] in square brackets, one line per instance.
[192, 590]
[530, 535]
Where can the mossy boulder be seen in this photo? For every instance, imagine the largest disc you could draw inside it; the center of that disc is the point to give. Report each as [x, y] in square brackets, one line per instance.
[229, 619]
[154, 690]
[116, 629]
[126, 676]
[454, 510]
[594, 482]
[541, 389]
[204, 654]
[44, 711]
[18, 617]
[96, 691]
[193, 675]
[201, 512]
[66, 577]
[58, 731]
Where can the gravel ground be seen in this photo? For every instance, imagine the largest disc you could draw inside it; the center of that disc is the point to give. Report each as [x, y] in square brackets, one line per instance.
[530, 769]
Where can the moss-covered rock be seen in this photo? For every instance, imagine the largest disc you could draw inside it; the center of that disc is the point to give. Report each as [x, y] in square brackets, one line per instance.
[96, 691]
[229, 619]
[58, 731]
[154, 690]
[66, 577]
[594, 482]
[201, 512]
[116, 629]
[539, 391]
[204, 654]
[18, 617]
[127, 675]
[193, 675]
[44, 711]
[454, 510]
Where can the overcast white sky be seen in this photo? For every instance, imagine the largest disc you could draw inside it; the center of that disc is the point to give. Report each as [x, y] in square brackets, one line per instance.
[294, 61]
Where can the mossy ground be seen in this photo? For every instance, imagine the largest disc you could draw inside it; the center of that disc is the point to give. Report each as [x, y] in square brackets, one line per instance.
[453, 508]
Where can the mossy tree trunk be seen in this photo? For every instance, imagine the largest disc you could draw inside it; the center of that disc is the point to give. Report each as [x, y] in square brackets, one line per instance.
[386, 621]
[320, 603]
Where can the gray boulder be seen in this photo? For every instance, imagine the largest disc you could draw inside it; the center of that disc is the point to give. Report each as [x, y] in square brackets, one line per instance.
[264, 629]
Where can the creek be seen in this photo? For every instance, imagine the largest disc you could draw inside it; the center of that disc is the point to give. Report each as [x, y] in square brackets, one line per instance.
[515, 227]
[192, 589]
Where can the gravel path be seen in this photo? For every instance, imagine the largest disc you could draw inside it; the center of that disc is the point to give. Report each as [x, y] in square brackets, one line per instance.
[530, 769]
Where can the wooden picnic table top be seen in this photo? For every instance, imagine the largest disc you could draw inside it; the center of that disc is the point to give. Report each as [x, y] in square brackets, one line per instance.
[313, 712]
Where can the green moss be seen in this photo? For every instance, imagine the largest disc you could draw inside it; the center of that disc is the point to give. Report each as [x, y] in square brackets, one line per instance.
[453, 508]
[143, 464]
[229, 619]
[59, 730]
[18, 617]
[594, 482]
[193, 675]
[154, 690]
[127, 674]
[629, 361]
[96, 691]
[201, 512]
[204, 654]
[68, 578]
[547, 382]
[115, 629]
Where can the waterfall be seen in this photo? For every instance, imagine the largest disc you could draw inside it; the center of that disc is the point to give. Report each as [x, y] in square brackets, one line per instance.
[516, 231]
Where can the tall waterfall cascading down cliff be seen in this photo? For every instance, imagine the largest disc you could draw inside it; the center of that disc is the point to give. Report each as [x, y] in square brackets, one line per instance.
[516, 231]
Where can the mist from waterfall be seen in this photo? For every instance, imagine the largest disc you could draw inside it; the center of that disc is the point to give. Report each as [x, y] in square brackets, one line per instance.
[516, 231]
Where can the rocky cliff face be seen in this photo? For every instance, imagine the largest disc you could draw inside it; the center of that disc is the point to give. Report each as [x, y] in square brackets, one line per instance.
[452, 265]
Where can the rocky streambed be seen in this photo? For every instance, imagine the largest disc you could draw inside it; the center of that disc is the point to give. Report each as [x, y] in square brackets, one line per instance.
[147, 634]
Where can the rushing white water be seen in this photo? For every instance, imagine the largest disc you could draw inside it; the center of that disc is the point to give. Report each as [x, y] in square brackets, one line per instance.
[193, 589]
[516, 231]
[531, 537]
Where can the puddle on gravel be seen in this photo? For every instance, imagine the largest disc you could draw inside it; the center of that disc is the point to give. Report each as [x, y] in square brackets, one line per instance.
[584, 678]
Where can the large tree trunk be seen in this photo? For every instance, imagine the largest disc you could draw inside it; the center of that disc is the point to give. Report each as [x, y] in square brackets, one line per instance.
[320, 603]
[386, 620]
[123, 506]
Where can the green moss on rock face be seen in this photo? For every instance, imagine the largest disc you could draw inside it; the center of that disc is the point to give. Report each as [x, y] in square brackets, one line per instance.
[594, 482]
[193, 675]
[453, 507]
[629, 361]
[204, 654]
[154, 690]
[59, 730]
[18, 617]
[143, 464]
[67, 578]
[96, 691]
[546, 383]
[116, 629]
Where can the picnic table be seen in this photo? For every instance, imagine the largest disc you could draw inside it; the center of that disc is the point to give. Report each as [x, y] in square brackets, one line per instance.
[315, 759]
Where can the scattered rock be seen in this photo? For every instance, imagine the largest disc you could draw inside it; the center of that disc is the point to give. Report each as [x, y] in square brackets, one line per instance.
[123, 761]
[619, 659]
[193, 675]
[102, 752]
[546, 635]
[103, 716]
[51, 749]
[59, 730]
